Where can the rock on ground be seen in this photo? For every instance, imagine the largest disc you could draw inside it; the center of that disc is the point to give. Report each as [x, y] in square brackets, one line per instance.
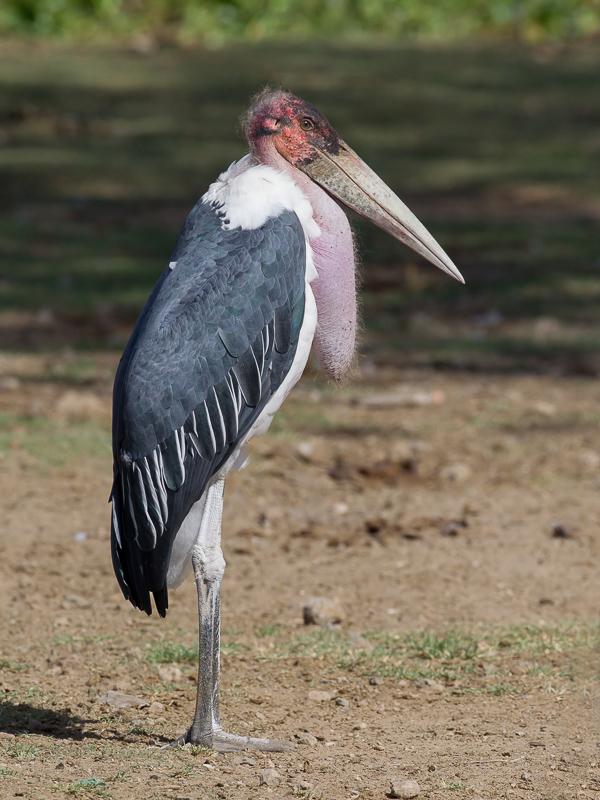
[122, 700]
[320, 696]
[324, 611]
[170, 673]
[456, 473]
[404, 789]
[269, 777]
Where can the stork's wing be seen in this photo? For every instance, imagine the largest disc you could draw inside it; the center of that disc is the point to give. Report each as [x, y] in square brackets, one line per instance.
[213, 343]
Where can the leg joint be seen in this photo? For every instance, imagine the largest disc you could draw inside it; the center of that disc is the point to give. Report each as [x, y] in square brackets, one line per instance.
[208, 562]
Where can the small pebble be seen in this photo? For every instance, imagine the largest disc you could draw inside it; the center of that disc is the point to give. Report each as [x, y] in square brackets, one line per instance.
[170, 673]
[544, 408]
[269, 777]
[308, 739]
[456, 473]
[342, 702]
[323, 611]
[560, 531]
[305, 450]
[122, 700]
[375, 680]
[319, 696]
[404, 789]
[453, 527]
[432, 685]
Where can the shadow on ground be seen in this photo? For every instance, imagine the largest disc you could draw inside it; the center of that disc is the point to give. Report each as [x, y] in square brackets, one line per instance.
[23, 718]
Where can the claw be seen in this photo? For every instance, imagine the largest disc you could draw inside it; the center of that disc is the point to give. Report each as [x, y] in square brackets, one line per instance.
[222, 742]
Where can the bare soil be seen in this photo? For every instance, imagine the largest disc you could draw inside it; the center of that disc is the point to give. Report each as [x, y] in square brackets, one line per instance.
[453, 519]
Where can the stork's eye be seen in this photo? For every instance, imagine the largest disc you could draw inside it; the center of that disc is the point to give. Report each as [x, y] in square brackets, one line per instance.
[307, 124]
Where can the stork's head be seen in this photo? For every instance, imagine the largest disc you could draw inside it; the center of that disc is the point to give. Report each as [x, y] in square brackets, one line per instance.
[307, 141]
[299, 131]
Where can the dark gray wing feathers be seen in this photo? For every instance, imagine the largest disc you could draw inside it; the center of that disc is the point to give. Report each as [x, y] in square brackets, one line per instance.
[212, 345]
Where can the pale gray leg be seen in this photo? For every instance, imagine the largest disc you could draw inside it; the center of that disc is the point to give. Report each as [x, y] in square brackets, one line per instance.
[209, 566]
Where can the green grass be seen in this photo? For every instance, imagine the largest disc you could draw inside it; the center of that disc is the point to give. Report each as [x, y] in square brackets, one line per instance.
[51, 443]
[11, 666]
[21, 751]
[88, 786]
[500, 689]
[171, 653]
[452, 645]
[537, 640]
[232, 648]
[189, 21]
[79, 371]
[5, 772]
[455, 786]
[268, 631]
[177, 653]
[478, 660]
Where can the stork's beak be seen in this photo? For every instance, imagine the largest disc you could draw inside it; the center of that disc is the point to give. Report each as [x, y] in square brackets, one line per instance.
[346, 177]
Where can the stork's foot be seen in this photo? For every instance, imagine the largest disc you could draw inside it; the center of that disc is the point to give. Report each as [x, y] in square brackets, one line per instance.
[223, 742]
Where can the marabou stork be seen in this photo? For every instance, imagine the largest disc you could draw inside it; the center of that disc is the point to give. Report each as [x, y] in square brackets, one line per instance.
[263, 271]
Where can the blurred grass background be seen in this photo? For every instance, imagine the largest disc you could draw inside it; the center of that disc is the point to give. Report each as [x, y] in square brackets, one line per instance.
[219, 20]
[494, 143]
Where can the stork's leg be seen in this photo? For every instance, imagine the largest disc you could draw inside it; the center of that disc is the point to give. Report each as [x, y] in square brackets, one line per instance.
[209, 566]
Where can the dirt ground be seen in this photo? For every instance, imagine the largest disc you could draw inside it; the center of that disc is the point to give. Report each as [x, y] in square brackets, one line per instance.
[452, 520]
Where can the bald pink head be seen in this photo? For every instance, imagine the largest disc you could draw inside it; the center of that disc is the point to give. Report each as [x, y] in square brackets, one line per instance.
[294, 127]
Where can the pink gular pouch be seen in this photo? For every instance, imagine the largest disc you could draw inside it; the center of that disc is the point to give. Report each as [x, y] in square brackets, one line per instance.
[334, 288]
[289, 134]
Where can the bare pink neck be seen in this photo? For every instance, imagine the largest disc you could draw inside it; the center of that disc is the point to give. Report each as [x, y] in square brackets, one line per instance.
[333, 253]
